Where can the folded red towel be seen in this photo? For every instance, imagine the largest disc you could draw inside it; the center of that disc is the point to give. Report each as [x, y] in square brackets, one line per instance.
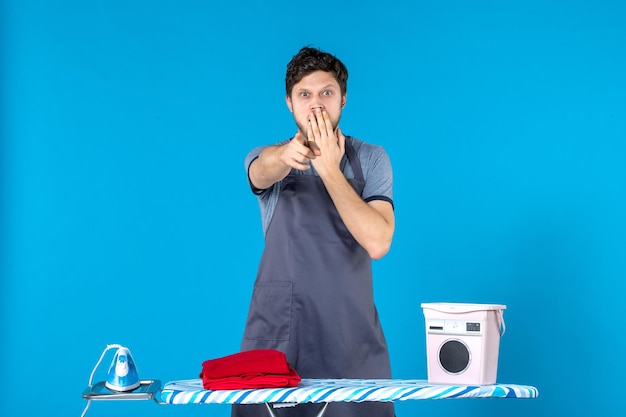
[260, 368]
[259, 361]
[253, 381]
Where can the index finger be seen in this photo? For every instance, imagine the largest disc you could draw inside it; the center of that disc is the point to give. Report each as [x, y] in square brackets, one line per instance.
[311, 142]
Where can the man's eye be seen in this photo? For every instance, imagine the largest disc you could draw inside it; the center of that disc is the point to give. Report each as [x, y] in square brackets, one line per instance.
[327, 93]
[304, 94]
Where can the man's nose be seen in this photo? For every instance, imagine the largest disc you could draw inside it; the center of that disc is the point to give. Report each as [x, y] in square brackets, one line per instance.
[316, 105]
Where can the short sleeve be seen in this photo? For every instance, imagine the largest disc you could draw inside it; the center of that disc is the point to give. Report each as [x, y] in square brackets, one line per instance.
[377, 172]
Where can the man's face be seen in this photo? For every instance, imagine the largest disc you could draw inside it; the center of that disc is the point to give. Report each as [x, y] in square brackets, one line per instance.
[320, 90]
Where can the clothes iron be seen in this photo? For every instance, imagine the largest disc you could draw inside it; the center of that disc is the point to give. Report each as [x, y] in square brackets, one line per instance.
[123, 375]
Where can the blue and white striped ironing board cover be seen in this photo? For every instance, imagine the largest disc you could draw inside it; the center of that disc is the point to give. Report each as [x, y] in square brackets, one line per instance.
[337, 390]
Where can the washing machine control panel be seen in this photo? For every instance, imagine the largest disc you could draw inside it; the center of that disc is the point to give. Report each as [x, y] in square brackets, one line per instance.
[457, 327]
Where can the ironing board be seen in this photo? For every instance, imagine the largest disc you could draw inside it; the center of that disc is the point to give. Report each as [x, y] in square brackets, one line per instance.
[322, 391]
[336, 390]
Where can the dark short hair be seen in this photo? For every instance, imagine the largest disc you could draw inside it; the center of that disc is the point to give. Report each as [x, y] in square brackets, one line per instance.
[309, 60]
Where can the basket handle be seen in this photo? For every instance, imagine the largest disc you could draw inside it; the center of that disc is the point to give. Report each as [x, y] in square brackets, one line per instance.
[501, 324]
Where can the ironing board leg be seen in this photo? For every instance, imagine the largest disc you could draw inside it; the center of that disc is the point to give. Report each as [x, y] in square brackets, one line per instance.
[272, 414]
[269, 410]
[322, 411]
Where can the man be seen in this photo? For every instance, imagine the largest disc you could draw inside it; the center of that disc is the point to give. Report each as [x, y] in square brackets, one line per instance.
[327, 211]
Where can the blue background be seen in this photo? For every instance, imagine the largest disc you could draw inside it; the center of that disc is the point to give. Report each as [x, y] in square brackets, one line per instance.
[127, 218]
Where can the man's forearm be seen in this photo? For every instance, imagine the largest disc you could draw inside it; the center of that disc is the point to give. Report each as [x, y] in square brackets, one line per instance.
[268, 168]
[372, 225]
[275, 162]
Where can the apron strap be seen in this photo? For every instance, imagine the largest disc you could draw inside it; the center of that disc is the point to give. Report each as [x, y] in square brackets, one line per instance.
[354, 160]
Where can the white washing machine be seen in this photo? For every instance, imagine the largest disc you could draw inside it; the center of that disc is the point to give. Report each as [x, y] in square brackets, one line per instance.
[463, 342]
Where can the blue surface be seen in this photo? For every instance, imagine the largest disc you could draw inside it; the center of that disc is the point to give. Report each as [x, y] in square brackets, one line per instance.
[124, 126]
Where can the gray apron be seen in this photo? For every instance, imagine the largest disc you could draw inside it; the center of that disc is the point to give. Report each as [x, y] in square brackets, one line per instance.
[313, 297]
